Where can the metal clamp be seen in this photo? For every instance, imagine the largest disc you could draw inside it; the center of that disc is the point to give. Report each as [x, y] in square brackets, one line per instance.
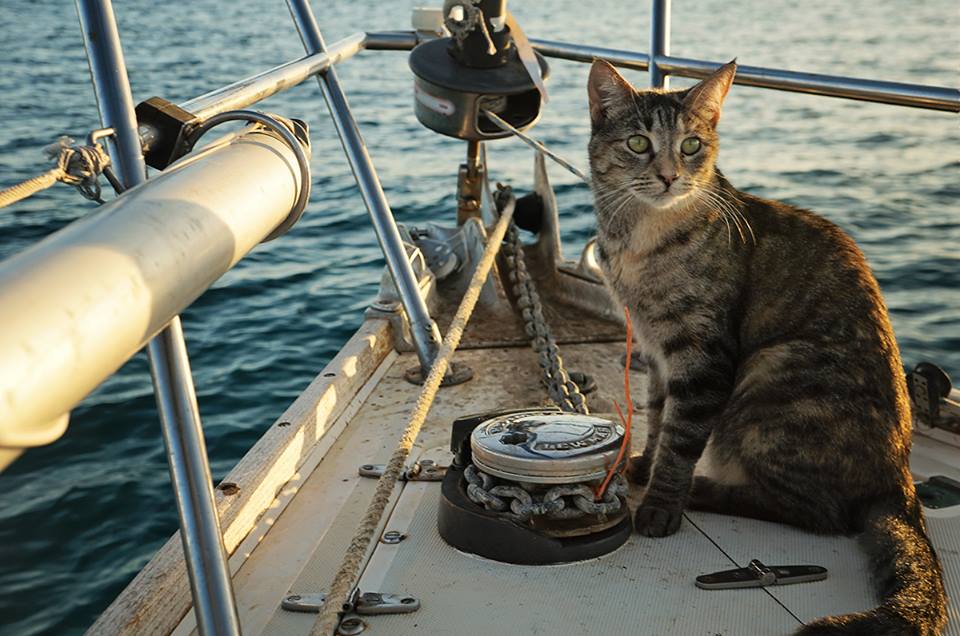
[371, 603]
[287, 133]
[425, 470]
[756, 574]
[362, 603]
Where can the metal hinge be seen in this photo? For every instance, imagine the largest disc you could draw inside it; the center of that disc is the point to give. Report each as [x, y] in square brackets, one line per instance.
[933, 398]
[362, 603]
[756, 574]
[424, 470]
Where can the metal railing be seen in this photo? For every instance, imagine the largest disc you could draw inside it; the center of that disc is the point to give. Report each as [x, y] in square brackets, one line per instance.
[423, 330]
[203, 547]
[894, 93]
[210, 580]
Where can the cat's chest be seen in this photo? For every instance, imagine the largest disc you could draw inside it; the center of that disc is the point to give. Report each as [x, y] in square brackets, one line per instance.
[664, 284]
[645, 263]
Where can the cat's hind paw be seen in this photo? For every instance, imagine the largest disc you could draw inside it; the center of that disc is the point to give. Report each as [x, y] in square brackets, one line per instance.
[652, 521]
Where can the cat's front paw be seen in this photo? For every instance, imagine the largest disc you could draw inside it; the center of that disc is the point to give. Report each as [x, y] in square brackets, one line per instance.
[638, 469]
[654, 521]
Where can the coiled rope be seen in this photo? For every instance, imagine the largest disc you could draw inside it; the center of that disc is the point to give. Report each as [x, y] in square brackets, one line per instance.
[343, 582]
[78, 166]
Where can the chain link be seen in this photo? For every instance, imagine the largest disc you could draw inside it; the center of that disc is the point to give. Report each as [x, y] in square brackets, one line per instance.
[567, 501]
[564, 392]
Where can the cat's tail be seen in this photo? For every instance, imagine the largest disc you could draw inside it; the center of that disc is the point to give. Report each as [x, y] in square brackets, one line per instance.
[909, 578]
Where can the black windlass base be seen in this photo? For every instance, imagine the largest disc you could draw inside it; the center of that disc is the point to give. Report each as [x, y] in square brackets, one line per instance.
[470, 528]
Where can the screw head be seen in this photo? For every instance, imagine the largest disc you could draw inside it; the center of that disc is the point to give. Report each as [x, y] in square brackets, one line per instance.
[228, 488]
[350, 626]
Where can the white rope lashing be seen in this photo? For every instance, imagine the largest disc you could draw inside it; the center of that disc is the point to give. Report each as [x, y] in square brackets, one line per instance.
[345, 578]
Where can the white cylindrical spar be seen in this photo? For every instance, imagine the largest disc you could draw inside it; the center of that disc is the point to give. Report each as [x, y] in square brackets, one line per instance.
[81, 302]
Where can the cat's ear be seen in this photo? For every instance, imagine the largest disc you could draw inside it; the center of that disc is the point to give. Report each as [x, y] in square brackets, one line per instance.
[706, 98]
[606, 88]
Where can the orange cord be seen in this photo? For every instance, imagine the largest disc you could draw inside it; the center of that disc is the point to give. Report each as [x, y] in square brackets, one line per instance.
[628, 421]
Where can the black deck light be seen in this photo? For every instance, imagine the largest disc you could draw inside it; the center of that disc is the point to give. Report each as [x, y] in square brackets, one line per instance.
[478, 68]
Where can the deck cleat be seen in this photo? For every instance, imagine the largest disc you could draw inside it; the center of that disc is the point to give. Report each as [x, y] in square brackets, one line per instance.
[523, 487]
[756, 574]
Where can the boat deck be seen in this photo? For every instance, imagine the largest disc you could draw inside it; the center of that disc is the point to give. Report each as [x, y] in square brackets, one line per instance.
[645, 587]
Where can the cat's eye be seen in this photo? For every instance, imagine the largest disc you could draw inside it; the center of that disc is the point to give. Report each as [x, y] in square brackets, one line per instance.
[690, 146]
[639, 144]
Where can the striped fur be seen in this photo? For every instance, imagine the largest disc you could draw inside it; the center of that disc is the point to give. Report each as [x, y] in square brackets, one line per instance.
[769, 348]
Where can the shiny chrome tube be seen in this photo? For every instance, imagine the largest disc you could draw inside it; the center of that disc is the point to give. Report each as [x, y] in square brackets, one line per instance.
[587, 53]
[112, 88]
[210, 581]
[258, 87]
[659, 42]
[200, 533]
[425, 334]
[896, 93]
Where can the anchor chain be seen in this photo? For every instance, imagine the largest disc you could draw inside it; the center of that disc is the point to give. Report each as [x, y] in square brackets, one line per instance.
[566, 501]
[564, 392]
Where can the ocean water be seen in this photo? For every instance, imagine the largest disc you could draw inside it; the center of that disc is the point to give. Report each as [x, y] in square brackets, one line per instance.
[80, 517]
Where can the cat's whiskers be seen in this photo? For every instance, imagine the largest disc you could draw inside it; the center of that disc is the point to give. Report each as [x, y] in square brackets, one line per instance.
[726, 221]
[627, 199]
[606, 197]
[717, 203]
[610, 204]
[727, 208]
[733, 207]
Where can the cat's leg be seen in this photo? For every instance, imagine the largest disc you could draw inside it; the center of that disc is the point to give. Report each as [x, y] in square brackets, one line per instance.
[639, 466]
[697, 388]
[817, 514]
[741, 500]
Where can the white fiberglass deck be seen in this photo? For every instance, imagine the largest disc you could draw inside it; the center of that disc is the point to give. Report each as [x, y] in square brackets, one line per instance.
[645, 587]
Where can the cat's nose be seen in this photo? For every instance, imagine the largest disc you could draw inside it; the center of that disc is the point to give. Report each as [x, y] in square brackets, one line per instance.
[667, 179]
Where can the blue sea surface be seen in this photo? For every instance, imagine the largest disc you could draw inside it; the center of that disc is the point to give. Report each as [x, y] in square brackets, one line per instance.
[80, 517]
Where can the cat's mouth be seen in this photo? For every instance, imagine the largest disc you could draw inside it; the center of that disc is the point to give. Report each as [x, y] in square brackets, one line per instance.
[666, 199]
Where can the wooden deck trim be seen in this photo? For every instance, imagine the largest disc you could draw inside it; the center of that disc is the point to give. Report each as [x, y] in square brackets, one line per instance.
[159, 596]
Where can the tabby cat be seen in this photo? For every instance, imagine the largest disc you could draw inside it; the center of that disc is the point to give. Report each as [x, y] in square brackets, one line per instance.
[769, 346]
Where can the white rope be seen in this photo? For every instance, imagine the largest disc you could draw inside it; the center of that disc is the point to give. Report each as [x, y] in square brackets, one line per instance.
[30, 187]
[345, 578]
[533, 143]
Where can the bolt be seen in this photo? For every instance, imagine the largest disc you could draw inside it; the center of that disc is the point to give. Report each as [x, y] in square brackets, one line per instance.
[228, 488]
[350, 626]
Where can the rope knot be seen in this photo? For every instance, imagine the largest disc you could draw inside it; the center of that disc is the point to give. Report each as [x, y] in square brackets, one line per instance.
[80, 166]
